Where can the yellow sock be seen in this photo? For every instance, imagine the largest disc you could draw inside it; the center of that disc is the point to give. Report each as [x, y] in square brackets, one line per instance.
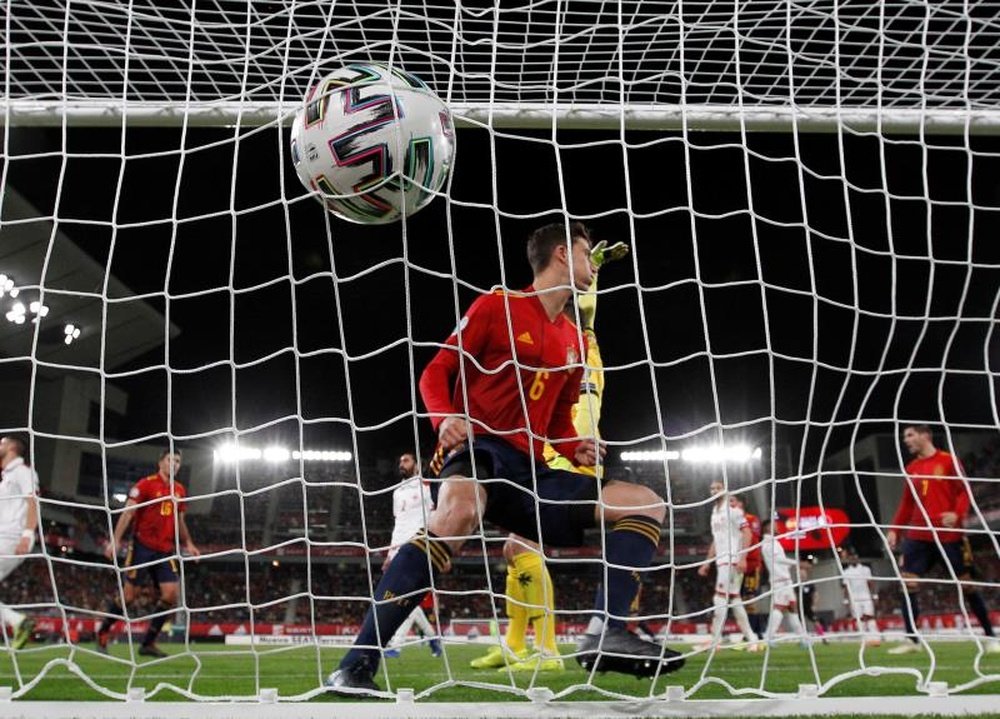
[516, 611]
[538, 591]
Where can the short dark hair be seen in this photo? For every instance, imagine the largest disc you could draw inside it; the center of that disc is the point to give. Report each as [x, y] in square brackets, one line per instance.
[543, 242]
[19, 445]
[920, 429]
[167, 452]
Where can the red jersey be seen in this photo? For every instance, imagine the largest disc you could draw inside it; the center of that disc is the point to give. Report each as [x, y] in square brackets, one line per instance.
[936, 484]
[154, 522]
[754, 556]
[545, 354]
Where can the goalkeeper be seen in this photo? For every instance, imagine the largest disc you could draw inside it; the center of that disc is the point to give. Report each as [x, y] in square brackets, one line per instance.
[529, 586]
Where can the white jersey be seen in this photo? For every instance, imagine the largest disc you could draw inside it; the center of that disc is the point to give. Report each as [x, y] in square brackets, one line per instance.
[856, 579]
[727, 532]
[779, 566]
[18, 485]
[411, 504]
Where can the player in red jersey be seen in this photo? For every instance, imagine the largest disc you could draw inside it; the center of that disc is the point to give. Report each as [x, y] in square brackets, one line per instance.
[932, 509]
[159, 518]
[750, 591]
[505, 383]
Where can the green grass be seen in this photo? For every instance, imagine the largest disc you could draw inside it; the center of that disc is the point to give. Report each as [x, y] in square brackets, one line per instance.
[213, 670]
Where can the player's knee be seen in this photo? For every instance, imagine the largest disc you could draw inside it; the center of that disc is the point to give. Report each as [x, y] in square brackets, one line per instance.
[458, 518]
[517, 545]
[626, 499]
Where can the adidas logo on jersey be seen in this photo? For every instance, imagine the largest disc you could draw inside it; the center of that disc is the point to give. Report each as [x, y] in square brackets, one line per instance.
[526, 338]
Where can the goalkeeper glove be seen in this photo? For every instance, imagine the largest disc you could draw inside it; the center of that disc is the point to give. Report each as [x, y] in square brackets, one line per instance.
[601, 253]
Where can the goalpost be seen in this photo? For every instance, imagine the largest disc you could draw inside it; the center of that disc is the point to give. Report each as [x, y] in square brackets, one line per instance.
[809, 190]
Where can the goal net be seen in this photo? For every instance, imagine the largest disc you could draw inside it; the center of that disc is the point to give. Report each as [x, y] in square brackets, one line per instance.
[809, 191]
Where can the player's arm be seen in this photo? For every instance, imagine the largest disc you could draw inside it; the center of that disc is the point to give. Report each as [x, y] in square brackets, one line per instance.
[961, 503]
[438, 378]
[561, 431]
[185, 535]
[27, 539]
[902, 516]
[705, 568]
[121, 526]
[746, 536]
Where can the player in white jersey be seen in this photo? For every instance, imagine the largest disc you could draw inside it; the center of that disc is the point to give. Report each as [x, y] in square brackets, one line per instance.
[18, 526]
[779, 572]
[411, 505]
[731, 539]
[857, 579]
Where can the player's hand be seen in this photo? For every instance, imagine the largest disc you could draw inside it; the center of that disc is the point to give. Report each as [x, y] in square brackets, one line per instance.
[109, 550]
[587, 452]
[949, 519]
[892, 538]
[453, 431]
[741, 564]
[601, 253]
[192, 550]
[24, 545]
[703, 570]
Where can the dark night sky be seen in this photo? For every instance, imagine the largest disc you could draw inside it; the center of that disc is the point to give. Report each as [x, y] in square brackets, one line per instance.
[365, 311]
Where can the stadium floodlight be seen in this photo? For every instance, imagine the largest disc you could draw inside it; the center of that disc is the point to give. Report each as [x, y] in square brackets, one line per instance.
[230, 454]
[17, 313]
[650, 455]
[711, 454]
[70, 333]
[7, 286]
[276, 454]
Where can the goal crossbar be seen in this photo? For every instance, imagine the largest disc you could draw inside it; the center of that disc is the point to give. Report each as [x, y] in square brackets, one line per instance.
[761, 118]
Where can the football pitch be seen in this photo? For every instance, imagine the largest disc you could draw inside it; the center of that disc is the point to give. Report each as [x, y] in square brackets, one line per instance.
[216, 671]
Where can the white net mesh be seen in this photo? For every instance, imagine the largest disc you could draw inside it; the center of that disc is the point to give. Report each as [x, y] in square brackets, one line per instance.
[807, 294]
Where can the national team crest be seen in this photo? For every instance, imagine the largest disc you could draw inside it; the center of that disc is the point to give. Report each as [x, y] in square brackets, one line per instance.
[571, 355]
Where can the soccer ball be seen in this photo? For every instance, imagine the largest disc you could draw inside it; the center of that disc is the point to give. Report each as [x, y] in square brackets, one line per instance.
[373, 143]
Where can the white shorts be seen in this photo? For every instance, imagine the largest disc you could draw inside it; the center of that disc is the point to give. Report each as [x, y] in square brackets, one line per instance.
[728, 580]
[8, 560]
[783, 595]
[863, 608]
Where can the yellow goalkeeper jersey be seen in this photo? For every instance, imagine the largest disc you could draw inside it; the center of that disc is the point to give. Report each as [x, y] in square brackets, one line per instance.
[587, 410]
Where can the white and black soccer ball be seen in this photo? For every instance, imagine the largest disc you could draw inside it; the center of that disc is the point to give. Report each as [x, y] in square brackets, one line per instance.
[373, 143]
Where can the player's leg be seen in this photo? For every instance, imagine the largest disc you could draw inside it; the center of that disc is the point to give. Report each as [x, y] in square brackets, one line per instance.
[633, 514]
[794, 623]
[749, 593]
[457, 514]
[917, 559]
[720, 602]
[959, 555]
[514, 607]
[115, 607]
[399, 638]
[872, 635]
[774, 622]
[166, 579]
[537, 591]
[20, 624]
[740, 614]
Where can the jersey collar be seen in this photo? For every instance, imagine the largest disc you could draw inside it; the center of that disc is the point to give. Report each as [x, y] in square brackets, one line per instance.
[532, 295]
[12, 465]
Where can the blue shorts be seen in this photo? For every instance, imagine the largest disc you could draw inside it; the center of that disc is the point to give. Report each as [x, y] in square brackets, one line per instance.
[522, 495]
[919, 557]
[162, 572]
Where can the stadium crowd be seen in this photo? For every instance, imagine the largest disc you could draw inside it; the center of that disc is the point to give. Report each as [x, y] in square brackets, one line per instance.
[332, 510]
